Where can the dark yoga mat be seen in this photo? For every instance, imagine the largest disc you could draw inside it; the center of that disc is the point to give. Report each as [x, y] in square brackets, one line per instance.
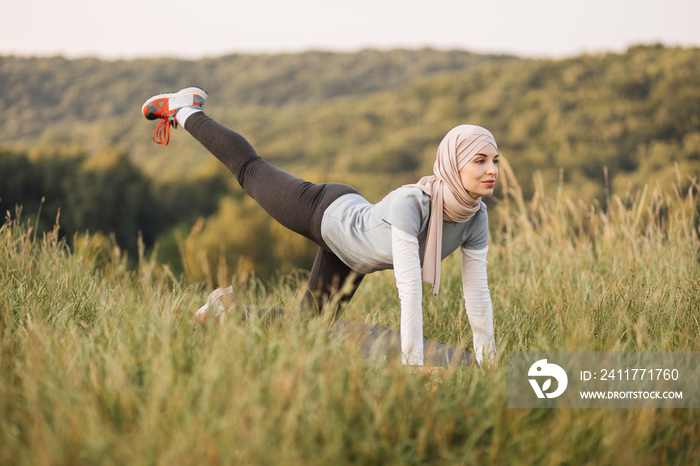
[384, 343]
[379, 342]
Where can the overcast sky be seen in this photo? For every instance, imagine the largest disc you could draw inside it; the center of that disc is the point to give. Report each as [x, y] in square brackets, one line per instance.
[199, 28]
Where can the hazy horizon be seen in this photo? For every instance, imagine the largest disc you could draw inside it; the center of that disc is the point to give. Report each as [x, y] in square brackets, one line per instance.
[539, 29]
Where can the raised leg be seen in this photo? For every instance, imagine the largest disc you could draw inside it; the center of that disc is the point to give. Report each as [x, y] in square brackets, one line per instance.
[295, 203]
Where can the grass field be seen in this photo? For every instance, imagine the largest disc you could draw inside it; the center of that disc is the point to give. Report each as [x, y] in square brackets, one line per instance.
[101, 363]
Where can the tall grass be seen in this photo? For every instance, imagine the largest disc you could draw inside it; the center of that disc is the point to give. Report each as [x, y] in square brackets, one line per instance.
[102, 364]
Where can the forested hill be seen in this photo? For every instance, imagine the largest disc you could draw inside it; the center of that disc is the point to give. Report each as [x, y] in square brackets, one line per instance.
[38, 93]
[71, 131]
[359, 117]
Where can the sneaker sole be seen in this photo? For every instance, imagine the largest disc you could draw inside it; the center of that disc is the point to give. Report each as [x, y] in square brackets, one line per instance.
[187, 90]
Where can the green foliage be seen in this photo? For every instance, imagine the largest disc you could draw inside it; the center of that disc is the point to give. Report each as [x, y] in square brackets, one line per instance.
[103, 364]
[242, 230]
[104, 192]
[595, 125]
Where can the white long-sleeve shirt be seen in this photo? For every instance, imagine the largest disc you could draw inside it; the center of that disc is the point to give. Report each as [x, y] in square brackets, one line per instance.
[391, 234]
[477, 298]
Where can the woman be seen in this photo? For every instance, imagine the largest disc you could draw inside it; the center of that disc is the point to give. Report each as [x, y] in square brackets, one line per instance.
[412, 227]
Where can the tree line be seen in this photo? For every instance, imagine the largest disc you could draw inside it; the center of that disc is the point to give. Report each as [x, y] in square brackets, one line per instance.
[100, 193]
[107, 197]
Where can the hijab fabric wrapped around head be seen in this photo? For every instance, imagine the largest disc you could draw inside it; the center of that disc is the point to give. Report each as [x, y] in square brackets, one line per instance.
[448, 198]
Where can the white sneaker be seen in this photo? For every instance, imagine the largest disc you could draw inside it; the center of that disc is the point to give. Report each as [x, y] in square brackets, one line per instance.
[220, 301]
[163, 107]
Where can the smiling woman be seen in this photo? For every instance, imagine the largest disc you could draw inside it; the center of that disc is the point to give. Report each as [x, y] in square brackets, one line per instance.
[479, 174]
[414, 226]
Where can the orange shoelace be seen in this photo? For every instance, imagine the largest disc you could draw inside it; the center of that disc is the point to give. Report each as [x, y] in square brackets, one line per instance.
[162, 133]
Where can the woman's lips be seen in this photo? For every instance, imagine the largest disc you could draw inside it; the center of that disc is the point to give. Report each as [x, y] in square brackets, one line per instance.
[490, 183]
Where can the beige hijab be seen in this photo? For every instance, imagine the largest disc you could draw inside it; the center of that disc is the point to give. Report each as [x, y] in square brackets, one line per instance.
[449, 200]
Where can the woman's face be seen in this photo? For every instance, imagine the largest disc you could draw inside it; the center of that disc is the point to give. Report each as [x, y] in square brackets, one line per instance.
[479, 174]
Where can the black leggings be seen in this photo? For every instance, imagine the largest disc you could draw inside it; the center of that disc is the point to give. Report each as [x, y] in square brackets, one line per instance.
[296, 204]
